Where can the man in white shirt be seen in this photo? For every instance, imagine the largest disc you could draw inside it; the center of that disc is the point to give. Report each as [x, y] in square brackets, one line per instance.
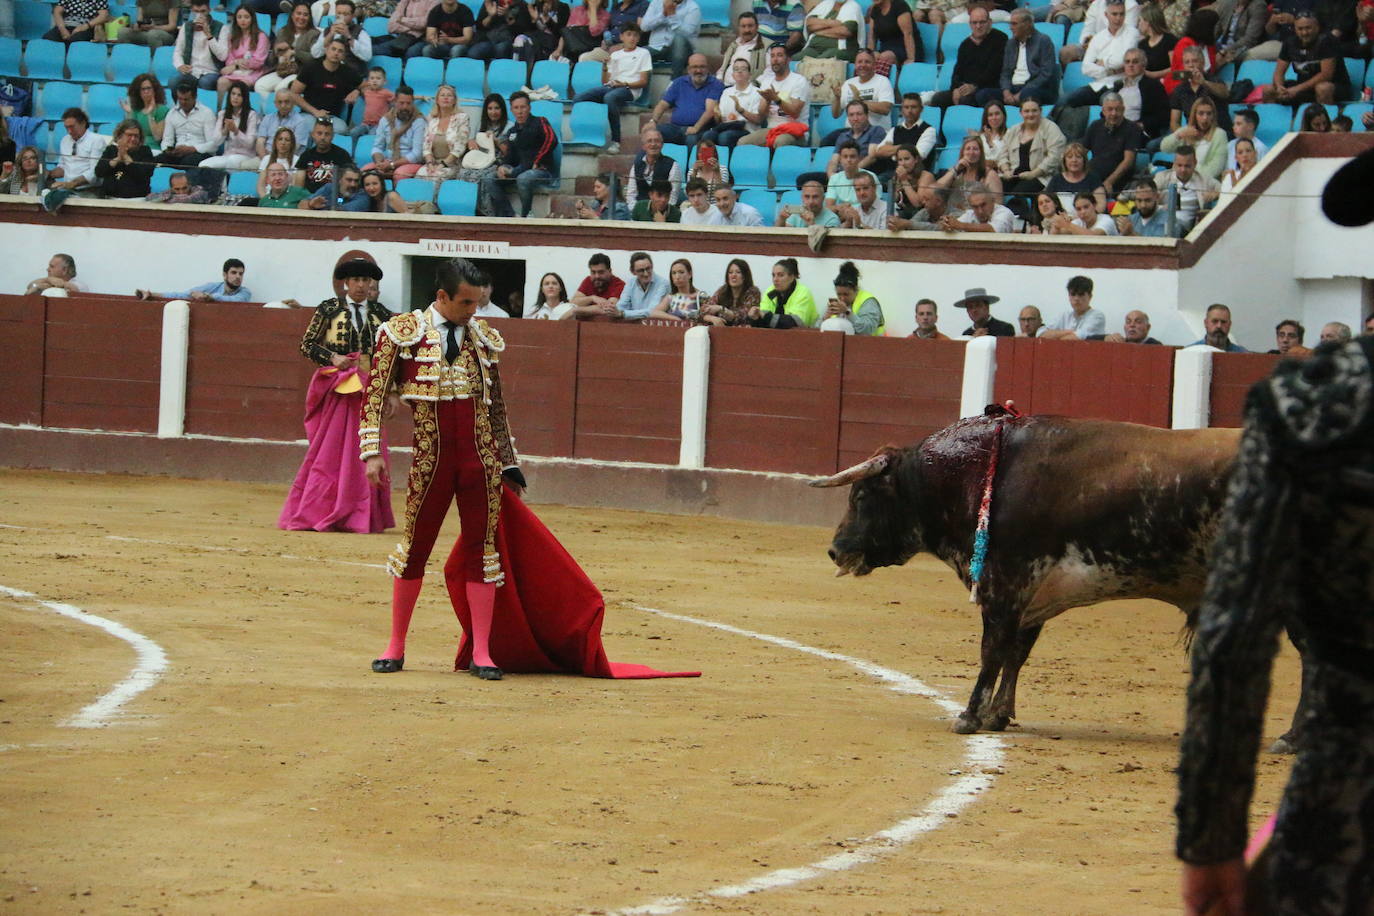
[730, 212]
[672, 27]
[867, 211]
[910, 129]
[748, 46]
[984, 214]
[343, 26]
[622, 81]
[1104, 61]
[192, 55]
[868, 86]
[1244, 123]
[699, 210]
[1081, 319]
[1094, 21]
[79, 151]
[1189, 189]
[788, 94]
[189, 136]
[61, 275]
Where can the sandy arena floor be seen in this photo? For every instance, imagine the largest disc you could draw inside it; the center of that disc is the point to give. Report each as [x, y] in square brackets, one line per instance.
[269, 770]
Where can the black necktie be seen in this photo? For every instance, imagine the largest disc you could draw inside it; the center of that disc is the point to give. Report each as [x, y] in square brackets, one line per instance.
[359, 322]
[451, 347]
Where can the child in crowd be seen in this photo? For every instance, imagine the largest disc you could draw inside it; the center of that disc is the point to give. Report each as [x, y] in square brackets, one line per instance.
[376, 102]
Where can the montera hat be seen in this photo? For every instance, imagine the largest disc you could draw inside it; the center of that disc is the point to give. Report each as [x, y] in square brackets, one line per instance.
[357, 267]
[975, 294]
[1349, 196]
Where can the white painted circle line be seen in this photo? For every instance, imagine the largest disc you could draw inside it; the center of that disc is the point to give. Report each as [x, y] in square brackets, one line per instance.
[982, 754]
[152, 661]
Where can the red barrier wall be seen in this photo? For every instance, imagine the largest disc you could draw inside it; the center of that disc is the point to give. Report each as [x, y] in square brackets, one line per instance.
[23, 326]
[1129, 382]
[896, 391]
[774, 402]
[629, 393]
[539, 375]
[245, 376]
[102, 360]
[1232, 376]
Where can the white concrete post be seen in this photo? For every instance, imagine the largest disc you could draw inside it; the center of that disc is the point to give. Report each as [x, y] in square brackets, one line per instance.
[1193, 387]
[696, 376]
[980, 371]
[176, 342]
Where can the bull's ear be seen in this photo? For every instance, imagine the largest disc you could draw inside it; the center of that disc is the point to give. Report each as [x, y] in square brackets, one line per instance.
[870, 468]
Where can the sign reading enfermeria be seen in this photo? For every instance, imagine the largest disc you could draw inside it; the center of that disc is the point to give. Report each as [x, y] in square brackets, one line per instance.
[462, 248]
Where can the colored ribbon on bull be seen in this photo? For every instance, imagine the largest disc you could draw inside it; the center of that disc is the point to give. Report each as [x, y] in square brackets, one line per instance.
[980, 534]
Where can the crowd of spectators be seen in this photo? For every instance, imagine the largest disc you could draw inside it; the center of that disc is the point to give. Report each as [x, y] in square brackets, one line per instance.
[1155, 101]
[647, 294]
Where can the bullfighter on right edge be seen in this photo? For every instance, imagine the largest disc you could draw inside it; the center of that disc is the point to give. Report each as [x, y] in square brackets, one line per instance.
[1295, 549]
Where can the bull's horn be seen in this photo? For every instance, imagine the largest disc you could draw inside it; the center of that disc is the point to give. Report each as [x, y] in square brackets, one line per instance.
[870, 468]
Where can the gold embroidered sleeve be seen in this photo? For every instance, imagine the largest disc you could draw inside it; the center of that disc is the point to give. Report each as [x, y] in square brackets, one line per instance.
[378, 384]
[312, 343]
[500, 424]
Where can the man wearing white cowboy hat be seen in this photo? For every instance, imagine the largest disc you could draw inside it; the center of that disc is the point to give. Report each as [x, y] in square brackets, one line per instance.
[331, 491]
[977, 302]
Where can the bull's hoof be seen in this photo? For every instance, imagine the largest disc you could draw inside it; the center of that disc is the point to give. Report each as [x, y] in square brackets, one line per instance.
[1285, 744]
[998, 723]
[965, 725]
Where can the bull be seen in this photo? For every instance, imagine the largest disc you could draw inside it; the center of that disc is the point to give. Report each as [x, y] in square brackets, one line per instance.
[1082, 511]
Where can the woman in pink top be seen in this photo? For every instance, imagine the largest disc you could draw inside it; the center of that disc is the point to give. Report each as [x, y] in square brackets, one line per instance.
[243, 48]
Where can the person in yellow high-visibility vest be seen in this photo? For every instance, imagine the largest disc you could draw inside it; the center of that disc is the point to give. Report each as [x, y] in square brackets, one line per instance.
[861, 307]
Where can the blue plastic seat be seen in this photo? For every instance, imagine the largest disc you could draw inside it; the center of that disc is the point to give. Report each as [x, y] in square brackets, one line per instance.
[679, 154]
[917, 78]
[1356, 112]
[1259, 72]
[551, 73]
[1073, 78]
[586, 75]
[362, 149]
[749, 166]
[761, 199]
[424, 75]
[1355, 66]
[391, 66]
[505, 77]
[788, 163]
[1369, 78]
[946, 158]
[945, 77]
[45, 60]
[375, 26]
[58, 97]
[1052, 30]
[457, 198]
[209, 98]
[416, 190]
[588, 124]
[950, 39]
[265, 23]
[11, 52]
[465, 75]
[31, 19]
[930, 41]
[86, 61]
[128, 61]
[243, 182]
[102, 103]
[162, 178]
[550, 111]
[716, 12]
[1275, 121]
[960, 121]
[820, 158]
[823, 122]
[164, 65]
[1075, 36]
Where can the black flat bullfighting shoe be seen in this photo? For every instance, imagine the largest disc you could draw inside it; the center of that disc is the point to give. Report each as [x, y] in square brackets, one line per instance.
[485, 672]
[388, 665]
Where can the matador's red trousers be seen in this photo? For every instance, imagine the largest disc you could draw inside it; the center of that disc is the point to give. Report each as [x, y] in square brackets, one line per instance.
[459, 476]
